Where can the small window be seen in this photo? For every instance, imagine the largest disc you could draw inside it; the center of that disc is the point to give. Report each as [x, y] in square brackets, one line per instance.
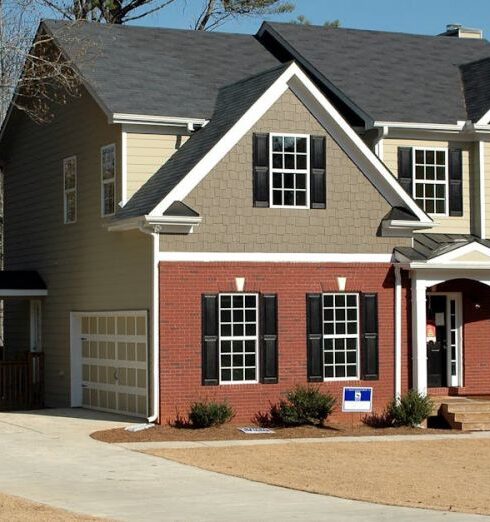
[108, 179]
[430, 180]
[341, 336]
[289, 170]
[238, 342]
[70, 190]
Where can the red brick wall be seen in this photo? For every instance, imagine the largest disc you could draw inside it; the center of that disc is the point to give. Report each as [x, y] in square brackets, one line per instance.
[181, 287]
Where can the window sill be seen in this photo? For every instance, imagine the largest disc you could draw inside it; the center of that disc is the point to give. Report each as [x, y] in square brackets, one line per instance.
[237, 383]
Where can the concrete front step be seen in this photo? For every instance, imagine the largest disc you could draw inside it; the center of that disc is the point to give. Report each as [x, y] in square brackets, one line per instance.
[467, 415]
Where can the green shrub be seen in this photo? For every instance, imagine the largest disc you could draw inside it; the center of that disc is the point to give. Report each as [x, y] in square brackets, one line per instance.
[303, 405]
[206, 414]
[410, 410]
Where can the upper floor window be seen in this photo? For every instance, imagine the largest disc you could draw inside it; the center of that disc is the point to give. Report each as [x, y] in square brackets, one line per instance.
[289, 170]
[430, 180]
[108, 179]
[70, 190]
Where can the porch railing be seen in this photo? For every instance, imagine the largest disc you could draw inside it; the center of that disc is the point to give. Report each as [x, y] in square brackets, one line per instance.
[21, 383]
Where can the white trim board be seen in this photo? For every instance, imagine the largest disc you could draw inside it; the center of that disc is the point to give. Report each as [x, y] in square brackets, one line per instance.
[22, 293]
[295, 79]
[272, 257]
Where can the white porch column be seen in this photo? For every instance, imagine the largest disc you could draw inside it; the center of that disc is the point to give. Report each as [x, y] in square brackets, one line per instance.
[419, 340]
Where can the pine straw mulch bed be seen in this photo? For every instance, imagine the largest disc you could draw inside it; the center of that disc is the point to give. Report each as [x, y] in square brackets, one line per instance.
[231, 432]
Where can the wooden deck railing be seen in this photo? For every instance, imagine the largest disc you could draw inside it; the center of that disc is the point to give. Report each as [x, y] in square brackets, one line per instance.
[21, 383]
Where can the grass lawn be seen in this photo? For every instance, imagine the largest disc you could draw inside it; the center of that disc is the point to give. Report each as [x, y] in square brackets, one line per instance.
[451, 475]
[16, 509]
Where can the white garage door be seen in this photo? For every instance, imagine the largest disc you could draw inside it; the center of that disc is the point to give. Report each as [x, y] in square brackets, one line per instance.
[114, 362]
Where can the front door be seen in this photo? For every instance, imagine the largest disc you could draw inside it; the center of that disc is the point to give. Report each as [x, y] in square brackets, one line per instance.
[436, 341]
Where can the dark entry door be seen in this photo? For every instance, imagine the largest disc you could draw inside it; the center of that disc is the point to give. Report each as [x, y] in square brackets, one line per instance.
[436, 341]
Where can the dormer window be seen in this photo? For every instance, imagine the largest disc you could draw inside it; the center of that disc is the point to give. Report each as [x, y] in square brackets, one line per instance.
[289, 170]
[430, 180]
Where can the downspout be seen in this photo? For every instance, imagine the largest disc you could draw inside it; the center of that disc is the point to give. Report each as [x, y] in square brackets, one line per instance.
[154, 325]
[398, 333]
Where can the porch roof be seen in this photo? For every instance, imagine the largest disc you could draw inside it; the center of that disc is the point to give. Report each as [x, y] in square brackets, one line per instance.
[430, 246]
[21, 283]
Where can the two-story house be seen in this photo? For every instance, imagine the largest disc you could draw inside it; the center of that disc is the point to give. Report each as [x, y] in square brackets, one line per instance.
[224, 216]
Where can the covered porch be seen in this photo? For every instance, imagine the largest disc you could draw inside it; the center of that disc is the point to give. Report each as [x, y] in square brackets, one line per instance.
[21, 355]
[450, 314]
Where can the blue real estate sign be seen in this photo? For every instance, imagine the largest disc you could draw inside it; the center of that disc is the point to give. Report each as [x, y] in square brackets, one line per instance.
[357, 399]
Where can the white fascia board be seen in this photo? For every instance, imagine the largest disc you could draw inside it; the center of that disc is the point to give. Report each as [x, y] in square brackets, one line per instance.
[273, 257]
[450, 127]
[467, 248]
[145, 119]
[226, 143]
[400, 223]
[453, 266]
[365, 159]
[22, 293]
[484, 120]
[293, 77]
[152, 221]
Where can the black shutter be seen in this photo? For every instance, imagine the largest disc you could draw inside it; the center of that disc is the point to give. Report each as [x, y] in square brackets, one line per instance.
[210, 340]
[261, 170]
[314, 337]
[318, 188]
[405, 170]
[369, 348]
[455, 166]
[268, 359]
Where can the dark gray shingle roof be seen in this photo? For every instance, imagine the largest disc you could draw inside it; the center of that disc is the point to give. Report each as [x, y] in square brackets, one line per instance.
[476, 82]
[161, 72]
[389, 76]
[232, 102]
[429, 246]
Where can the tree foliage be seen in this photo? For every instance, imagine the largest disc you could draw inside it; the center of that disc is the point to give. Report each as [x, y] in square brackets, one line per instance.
[302, 20]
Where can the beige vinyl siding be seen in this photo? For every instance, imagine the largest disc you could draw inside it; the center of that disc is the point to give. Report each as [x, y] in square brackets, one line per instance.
[231, 223]
[455, 225]
[85, 267]
[146, 153]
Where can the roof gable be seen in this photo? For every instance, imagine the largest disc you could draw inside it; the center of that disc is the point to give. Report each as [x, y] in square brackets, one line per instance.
[238, 108]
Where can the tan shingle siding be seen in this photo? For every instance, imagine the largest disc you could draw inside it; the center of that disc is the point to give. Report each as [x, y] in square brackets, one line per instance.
[84, 266]
[231, 223]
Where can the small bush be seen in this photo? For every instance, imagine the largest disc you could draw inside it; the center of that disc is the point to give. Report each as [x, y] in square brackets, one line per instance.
[410, 410]
[303, 405]
[206, 414]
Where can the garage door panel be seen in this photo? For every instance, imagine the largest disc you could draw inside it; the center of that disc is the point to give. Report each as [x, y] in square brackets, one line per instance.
[114, 362]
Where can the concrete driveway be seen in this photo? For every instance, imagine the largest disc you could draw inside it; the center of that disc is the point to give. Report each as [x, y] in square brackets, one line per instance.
[47, 456]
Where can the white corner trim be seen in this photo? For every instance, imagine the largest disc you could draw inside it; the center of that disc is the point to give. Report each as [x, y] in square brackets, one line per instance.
[124, 168]
[398, 333]
[481, 166]
[293, 77]
[272, 257]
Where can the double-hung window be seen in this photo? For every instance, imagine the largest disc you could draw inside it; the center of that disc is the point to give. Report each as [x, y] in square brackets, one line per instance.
[238, 338]
[289, 170]
[340, 336]
[70, 190]
[430, 180]
[108, 179]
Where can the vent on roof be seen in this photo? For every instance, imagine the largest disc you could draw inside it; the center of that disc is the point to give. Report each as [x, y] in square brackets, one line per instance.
[459, 31]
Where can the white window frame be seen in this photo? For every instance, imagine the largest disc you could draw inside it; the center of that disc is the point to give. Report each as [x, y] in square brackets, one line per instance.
[289, 171]
[342, 336]
[239, 338]
[434, 181]
[68, 191]
[104, 182]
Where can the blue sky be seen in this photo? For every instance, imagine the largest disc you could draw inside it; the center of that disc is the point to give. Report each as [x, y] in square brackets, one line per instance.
[412, 16]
